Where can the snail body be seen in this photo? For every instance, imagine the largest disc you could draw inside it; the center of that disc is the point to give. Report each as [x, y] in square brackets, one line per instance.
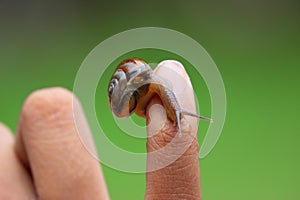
[133, 85]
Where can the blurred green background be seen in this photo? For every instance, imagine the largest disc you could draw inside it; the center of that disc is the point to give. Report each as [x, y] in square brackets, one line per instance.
[255, 45]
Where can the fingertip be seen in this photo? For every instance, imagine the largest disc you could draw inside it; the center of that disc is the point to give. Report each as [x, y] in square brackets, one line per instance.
[43, 110]
[56, 142]
[45, 107]
[46, 100]
[175, 74]
[172, 65]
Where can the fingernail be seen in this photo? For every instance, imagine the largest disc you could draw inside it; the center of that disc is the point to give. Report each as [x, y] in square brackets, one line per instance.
[175, 74]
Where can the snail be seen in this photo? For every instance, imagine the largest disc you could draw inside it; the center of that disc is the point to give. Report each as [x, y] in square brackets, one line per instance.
[132, 86]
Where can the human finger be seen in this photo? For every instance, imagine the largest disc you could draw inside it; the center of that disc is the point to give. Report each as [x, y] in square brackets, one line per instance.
[179, 176]
[49, 143]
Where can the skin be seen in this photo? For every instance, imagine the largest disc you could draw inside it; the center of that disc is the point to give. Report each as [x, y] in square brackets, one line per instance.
[47, 153]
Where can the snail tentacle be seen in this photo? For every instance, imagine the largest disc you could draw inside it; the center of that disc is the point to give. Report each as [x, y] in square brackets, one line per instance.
[184, 112]
[178, 123]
